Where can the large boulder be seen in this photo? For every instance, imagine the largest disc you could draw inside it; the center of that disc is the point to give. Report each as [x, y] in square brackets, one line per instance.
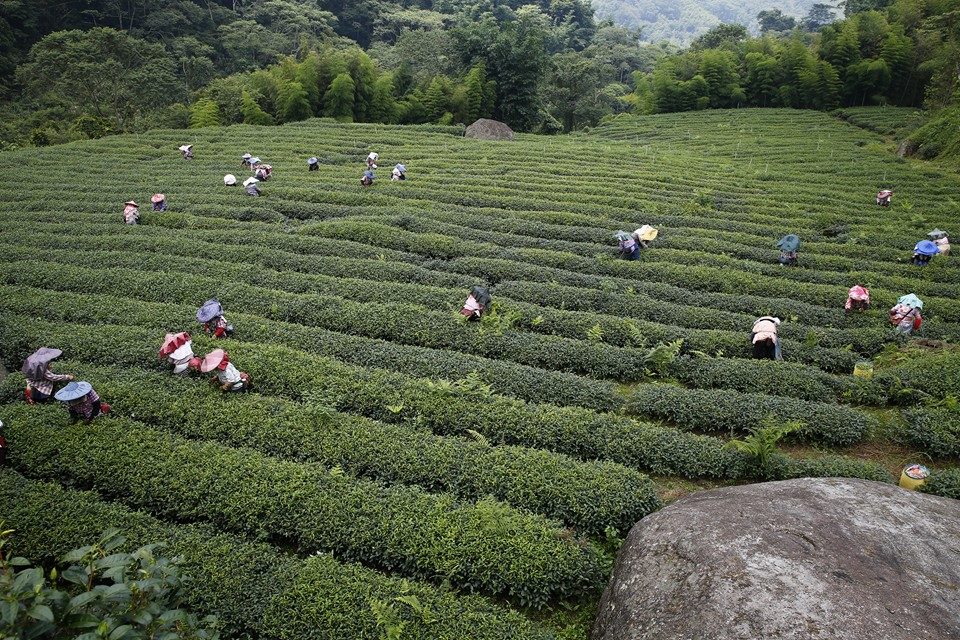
[813, 559]
[484, 129]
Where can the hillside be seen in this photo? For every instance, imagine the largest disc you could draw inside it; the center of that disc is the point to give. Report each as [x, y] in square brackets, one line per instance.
[682, 21]
[398, 464]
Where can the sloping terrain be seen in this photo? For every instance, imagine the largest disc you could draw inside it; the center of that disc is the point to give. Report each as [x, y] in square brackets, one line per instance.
[392, 449]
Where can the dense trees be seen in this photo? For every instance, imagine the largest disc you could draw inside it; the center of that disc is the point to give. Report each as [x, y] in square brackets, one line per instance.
[898, 56]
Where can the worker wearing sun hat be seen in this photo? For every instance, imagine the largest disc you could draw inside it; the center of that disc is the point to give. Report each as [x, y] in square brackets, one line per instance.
[187, 151]
[230, 180]
[940, 239]
[159, 202]
[226, 375]
[245, 160]
[131, 212]
[251, 185]
[645, 235]
[313, 164]
[177, 348]
[81, 401]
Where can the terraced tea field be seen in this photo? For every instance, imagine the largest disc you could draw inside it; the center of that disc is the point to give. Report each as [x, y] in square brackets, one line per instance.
[397, 465]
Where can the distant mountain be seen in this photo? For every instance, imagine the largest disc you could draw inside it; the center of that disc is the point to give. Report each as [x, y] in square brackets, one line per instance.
[681, 21]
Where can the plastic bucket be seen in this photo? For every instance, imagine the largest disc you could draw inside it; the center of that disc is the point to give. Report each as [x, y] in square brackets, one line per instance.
[863, 369]
[913, 476]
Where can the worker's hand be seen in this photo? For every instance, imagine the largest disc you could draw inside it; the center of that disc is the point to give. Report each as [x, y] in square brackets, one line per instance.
[69, 377]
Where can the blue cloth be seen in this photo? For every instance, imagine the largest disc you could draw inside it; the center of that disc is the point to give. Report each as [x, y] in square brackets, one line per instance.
[926, 248]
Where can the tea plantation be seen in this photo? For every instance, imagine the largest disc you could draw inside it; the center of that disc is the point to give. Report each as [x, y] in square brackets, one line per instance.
[399, 470]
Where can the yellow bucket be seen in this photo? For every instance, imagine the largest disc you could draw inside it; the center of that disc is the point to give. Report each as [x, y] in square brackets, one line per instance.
[913, 476]
[863, 370]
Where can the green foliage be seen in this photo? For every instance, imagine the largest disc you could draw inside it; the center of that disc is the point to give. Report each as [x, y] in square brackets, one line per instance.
[204, 113]
[293, 102]
[253, 114]
[339, 98]
[761, 445]
[97, 591]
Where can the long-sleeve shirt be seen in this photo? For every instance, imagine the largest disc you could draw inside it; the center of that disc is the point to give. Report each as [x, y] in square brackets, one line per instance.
[85, 407]
[229, 376]
[218, 325]
[180, 359]
[45, 386]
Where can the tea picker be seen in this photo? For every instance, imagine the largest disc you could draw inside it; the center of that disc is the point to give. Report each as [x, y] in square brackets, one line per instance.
[263, 172]
[628, 246]
[187, 151]
[82, 402]
[905, 315]
[858, 299]
[40, 380]
[131, 212]
[884, 196]
[313, 164]
[645, 235]
[368, 178]
[177, 349]
[230, 180]
[941, 240]
[159, 202]
[245, 161]
[789, 245]
[923, 253]
[251, 186]
[225, 373]
[210, 315]
[399, 172]
[478, 301]
[766, 342]
[372, 160]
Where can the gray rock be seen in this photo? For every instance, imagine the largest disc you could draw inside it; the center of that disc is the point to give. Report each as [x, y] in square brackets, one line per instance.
[485, 129]
[815, 559]
[907, 148]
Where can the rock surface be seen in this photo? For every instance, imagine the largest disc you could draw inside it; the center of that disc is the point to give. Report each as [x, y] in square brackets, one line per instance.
[484, 129]
[814, 559]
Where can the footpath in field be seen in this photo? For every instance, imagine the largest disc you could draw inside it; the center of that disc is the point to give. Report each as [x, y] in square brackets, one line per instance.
[398, 465]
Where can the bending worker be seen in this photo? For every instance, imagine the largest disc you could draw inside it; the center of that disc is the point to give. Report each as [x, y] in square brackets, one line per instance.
[766, 342]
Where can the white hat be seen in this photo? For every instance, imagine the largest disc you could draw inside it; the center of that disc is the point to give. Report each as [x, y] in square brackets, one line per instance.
[229, 179]
[186, 147]
[247, 156]
[249, 181]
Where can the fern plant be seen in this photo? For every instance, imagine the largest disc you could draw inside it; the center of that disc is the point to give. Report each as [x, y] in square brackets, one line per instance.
[761, 445]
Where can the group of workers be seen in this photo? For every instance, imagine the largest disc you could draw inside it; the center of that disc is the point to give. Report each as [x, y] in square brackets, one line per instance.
[399, 170]
[80, 399]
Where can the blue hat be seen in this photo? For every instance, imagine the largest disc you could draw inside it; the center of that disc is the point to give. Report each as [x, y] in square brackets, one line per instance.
[73, 391]
[926, 248]
[210, 310]
[312, 160]
[911, 300]
[789, 242]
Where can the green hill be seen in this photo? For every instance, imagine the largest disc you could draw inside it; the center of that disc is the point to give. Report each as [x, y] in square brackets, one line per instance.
[398, 465]
[682, 21]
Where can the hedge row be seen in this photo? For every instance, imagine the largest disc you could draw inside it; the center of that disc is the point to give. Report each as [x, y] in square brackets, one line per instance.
[590, 495]
[943, 482]
[254, 590]
[733, 412]
[380, 395]
[484, 546]
[934, 430]
[935, 374]
[511, 379]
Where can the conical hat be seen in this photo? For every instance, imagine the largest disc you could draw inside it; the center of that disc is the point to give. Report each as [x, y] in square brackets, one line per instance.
[186, 147]
[210, 310]
[158, 197]
[132, 203]
[646, 233]
[926, 248]
[790, 242]
[229, 179]
[173, 341]
[254, 160]
[213, 360]
[312, 160]
[249, 181]
[937, 233]
[36, 364]
[247, 156]
[73, 391]
[858, 292]
[911, 300]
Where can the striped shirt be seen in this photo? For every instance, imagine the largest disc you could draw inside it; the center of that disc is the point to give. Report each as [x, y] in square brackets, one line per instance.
[45, 386]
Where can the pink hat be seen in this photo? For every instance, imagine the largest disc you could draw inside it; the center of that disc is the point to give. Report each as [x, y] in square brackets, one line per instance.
[158, 197]
[216, 359]
[132, 203]
[173, 341]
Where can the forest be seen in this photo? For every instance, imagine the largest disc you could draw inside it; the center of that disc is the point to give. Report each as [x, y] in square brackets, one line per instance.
[85, 69]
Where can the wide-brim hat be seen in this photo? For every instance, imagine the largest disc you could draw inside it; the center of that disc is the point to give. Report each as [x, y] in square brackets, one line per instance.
[789, 242]
[158, 197]
[186, 147]
[911, 300]
[247, 156]
[209, 310]
[73, 391]
[858, 292]
[213, 360]
[646, 233]
[174, 341]
[37, 362]
[229, 179]
[132, 203]
[254, 160]
[885, 192]
[926, 248]
[249, 181]
[312, 160]
[937, 233]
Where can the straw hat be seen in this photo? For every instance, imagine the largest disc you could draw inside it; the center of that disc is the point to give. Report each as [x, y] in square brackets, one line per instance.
[247, 156]
[73, 391]
[230, 180]
[186, 147]
[131, 203]
[312, 160]
[216, 359]
[158, 197]
[646, 233]
[249, 181]
[172, 342]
